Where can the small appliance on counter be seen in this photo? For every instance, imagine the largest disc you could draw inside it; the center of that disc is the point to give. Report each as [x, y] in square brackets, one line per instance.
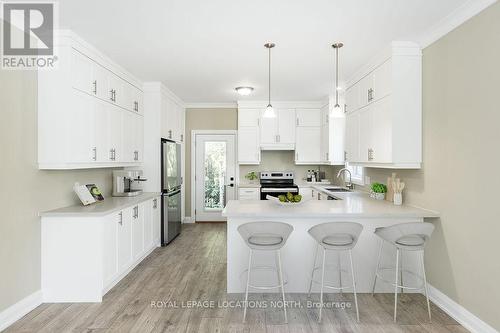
[126, 183]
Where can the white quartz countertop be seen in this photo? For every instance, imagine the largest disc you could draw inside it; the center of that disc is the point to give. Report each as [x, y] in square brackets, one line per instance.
[352, 204]
[98, 209]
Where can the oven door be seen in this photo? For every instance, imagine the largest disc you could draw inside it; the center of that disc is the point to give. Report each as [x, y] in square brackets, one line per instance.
[276, 191]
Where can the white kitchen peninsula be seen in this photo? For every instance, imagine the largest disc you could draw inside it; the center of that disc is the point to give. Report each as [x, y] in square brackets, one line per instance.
[298, 253]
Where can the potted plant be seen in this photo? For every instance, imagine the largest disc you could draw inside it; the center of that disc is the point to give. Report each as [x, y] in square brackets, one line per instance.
[378, 191]
[252, 177]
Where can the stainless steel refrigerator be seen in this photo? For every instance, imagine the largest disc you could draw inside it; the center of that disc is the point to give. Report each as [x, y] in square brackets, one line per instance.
[171, 182]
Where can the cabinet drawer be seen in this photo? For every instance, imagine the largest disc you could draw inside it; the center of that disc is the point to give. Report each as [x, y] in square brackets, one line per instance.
[249, 194]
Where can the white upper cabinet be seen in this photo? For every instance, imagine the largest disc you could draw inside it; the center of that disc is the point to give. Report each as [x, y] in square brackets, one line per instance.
[249, 136]
[308, 117]
[174, 114]
[332, 135]
[89, 111]
[278, 133]
[384, 110]
[308, 149]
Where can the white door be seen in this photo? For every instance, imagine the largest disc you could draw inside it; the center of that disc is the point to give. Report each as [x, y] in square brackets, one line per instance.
[215, 180]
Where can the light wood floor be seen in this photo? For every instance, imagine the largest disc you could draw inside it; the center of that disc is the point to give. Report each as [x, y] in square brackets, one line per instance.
[193, 267]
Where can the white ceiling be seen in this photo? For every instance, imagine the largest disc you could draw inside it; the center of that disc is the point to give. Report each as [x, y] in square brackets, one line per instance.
[202, 49]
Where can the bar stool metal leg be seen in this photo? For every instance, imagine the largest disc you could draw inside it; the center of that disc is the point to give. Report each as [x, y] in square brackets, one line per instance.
[322, 285]
[248, 283]
[354, 285]
[425, 284]
[281, 284]
[377, 267]
[396, 286]
[312, 270]
[339, 266]
[401, 266]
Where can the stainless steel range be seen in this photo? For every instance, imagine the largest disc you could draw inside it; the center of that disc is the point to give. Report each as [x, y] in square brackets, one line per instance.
[275, 183]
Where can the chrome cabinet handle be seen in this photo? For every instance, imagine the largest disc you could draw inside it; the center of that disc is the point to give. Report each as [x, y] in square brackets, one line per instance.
[345, 108]
[327, 156]
[170, 134]
[111, 97]
[111, 154]
[155, 203]
[95, 87]
[345, 155]
[120, 222]
[297, 121]
[94, 153]
[182, 137]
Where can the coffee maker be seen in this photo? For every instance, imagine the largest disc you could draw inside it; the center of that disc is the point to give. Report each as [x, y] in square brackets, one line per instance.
[126, 183]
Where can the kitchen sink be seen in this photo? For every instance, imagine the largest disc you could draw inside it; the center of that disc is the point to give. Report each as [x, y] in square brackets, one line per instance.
[337, 189]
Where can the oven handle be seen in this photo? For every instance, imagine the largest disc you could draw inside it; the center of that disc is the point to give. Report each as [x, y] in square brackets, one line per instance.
[282, 189]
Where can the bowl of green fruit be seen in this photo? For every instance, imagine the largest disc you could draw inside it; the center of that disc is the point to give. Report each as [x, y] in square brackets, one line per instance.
[288, 199]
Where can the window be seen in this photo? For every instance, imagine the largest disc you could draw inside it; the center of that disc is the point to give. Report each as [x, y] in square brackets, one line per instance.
[357, 174]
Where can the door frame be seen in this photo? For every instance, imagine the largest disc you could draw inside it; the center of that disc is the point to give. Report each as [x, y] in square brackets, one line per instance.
[194, 133]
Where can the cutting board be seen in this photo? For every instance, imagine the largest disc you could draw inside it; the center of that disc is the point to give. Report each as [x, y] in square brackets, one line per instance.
[390, 190]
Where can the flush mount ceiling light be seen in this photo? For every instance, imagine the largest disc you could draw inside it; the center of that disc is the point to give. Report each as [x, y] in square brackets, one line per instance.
[244, 91]
[269, 112]
[337, 47]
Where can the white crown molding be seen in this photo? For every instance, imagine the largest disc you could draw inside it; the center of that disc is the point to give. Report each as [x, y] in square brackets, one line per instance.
[459, 313]
[159, 87]
[282, 104]
[230, 105]
[19, 309]
[453, 20]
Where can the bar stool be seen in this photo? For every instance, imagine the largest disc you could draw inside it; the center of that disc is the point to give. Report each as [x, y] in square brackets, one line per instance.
[265, 236]
[404, 237]
[335, 236]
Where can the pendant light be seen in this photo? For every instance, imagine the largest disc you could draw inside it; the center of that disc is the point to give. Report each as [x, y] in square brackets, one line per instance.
[337, 47]
[269, 112]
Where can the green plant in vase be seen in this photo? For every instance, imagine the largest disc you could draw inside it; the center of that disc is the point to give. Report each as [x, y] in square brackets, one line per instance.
[252, 176]
[378, 191]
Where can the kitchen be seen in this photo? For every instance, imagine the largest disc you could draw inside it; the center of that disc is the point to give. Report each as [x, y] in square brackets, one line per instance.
[299, 175]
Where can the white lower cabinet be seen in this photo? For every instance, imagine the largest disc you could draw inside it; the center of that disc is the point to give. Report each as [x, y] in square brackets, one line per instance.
[306, 192]
[84, 256]
[248, 193]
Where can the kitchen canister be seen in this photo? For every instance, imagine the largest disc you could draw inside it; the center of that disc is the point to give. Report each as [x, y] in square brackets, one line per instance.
[398, 198]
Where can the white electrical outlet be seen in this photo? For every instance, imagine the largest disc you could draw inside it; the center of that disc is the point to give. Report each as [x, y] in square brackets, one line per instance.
[368, 181]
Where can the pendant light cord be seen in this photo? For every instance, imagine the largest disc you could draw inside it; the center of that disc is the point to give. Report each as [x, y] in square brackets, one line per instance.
[337, 76]
[269, 76]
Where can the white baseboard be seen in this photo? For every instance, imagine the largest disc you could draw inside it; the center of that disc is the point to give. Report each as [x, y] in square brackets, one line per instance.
[188, 219]
[18, 310]
[459, 313]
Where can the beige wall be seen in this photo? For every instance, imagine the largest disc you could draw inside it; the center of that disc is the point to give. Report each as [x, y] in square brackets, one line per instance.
[461, 80]
[25, 191]
[205, 119]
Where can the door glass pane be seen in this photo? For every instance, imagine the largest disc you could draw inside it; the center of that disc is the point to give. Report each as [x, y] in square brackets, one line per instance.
[215, 171]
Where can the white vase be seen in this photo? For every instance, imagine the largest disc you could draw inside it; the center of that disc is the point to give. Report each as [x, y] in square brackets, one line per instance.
[379, 196]
[398, 199]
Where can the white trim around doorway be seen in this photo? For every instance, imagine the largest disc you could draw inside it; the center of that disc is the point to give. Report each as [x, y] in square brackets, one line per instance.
[193, 162]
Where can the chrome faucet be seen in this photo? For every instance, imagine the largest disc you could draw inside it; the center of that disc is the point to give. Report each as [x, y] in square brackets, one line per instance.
[348, 184]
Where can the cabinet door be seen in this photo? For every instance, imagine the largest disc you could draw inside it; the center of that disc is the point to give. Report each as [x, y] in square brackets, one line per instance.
[268, 130]
[129, 137]
[81, 119]
[148, 224]
[306, 192]
[102, 136]
[286, 126]
[81, 70]
[365, 133]
[137, 231]
[171, 118]
[139, 137]
[352, 98]
[248, 117]
[382, 80]
[124, 243]
[156, 220]
[307, 146]
[101, 76]
[308, 117]
[110, 263]
[352, 137]
[115, 131]
[248, 145]
[365, 88]
[117, 93]
[381, 131]
[248, 194]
